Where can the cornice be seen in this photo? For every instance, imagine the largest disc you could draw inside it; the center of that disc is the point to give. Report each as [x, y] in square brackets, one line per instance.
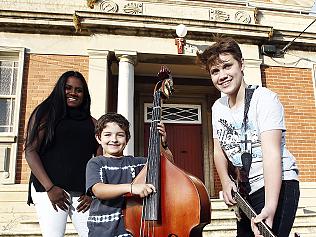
[97, 23]
[94, 22]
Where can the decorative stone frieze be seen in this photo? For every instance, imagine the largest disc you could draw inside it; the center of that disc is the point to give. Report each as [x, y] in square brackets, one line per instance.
[219, 15]
[133, 8]
[242, 17]
[108, 6]
[230, 16]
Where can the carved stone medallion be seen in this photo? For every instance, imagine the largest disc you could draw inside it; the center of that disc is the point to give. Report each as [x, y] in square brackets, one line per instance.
[242, 17]
[218, 15]
[108, 6]
[133, 8]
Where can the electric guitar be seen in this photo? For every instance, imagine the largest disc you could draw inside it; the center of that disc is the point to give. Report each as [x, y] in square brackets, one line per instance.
[238, 176]
[264, 229]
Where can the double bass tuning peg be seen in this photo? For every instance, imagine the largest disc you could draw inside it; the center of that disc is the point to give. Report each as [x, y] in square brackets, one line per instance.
[165, 78]
[164, 73]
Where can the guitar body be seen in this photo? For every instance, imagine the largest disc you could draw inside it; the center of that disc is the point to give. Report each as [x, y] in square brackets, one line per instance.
[185, 206]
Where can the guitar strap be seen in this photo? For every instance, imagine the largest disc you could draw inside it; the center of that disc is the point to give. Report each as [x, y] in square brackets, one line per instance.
[246, 157]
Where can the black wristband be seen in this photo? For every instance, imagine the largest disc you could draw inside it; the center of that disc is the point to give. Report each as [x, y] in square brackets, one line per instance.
[50, 188]
[164, 145]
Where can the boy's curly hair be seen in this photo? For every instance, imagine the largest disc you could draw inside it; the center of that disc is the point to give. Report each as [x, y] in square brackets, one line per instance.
[111, 117]
[210, 56]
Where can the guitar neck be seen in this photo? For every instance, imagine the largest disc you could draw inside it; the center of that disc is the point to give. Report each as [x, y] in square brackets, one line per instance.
[249, 212]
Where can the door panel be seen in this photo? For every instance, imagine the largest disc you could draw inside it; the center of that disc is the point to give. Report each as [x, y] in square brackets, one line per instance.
[185, 143]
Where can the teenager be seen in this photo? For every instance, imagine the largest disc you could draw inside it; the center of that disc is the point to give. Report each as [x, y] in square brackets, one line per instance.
[273, 174]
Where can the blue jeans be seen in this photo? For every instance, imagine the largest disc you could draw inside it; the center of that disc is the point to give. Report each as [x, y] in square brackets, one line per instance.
[285, 213]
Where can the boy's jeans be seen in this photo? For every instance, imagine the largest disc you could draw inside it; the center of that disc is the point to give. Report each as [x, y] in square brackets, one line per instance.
[285, 213]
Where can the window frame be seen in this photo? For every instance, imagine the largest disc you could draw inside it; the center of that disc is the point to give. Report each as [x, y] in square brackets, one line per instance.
[9, 140]
[16, 55]
[184, 106]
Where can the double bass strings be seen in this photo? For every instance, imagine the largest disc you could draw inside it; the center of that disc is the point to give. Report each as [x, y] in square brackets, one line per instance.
[152, 202]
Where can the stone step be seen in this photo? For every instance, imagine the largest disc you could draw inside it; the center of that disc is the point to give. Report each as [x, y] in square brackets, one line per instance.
[16, 207]
[305, 230]
[17, 219]
[30, 227]
[230, 219]
[36, 233]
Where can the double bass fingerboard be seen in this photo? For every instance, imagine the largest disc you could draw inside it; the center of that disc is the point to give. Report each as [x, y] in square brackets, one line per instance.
[151, 205]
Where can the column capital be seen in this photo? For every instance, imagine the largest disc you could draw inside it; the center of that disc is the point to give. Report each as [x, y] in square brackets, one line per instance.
[126, 56]
[98, 53]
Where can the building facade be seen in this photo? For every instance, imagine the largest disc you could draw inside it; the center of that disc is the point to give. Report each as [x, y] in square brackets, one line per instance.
[120, 45]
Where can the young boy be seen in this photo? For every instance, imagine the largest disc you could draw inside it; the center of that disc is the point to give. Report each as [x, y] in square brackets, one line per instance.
[110, 176]
[273, 175]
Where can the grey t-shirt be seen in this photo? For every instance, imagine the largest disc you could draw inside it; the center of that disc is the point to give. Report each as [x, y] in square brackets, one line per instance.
[105, 217]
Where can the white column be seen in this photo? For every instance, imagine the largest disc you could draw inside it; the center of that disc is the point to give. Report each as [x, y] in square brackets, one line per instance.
[98, 81]
[125, 96]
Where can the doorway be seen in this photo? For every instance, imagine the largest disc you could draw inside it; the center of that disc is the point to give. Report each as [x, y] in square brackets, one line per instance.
[184, 134]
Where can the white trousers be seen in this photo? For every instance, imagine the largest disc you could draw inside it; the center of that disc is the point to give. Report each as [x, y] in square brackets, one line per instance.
[53, 223]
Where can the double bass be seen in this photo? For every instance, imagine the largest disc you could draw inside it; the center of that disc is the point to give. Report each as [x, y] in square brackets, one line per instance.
[180, 207]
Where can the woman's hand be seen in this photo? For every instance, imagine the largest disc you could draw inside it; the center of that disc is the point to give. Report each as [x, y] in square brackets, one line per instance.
[59, 198]
[143, 190]
[85, 202]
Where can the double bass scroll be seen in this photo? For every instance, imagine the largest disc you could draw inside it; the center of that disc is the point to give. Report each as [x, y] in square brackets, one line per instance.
[181, 205]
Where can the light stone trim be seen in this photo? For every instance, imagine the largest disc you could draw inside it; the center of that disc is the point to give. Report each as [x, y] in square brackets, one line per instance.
[9, 141]
[125, 97]
[98, 81]
[126, 56]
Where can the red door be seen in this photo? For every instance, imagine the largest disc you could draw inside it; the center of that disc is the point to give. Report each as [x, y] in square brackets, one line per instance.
[185, 143]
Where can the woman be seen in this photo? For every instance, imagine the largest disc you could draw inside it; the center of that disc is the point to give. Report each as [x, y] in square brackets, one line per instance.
[273, 174]
[59, 142]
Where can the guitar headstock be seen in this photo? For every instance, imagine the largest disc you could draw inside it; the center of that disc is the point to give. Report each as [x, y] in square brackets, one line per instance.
[166, 82]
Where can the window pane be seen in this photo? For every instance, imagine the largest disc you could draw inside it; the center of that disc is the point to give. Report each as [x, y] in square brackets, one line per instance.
[12, 114]
[15, 76]
[5, 80]
[6, 63]
[5, 115]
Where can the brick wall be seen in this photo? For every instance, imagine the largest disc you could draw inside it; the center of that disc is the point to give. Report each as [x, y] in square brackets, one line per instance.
[296, 92]
[40, 75]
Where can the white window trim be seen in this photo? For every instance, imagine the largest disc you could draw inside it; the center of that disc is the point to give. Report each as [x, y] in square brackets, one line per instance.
[16, 54]
[9, 140]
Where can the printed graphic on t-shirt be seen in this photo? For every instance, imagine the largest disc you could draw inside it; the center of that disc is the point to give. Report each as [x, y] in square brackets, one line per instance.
[235, 141]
